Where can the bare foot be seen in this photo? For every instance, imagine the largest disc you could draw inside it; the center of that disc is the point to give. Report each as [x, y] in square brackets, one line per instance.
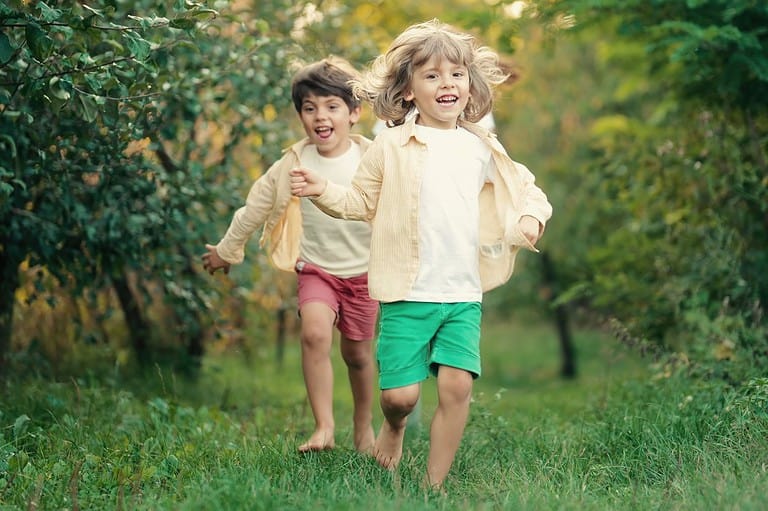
[433, 488]
[364, 439]
[320, 440]
[388, 448]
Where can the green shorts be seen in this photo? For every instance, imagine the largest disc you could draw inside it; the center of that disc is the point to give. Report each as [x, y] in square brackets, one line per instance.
[415, 338]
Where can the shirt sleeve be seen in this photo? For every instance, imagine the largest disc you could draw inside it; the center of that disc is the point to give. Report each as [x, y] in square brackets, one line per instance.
[532, 202]
[250, 217]
[488, 169]
[535, 202]
[359, 201]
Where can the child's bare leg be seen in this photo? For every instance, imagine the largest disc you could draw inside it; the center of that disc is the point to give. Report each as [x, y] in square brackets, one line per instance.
[316, 339]
[359, 359]
[396, 404]
[454, 391]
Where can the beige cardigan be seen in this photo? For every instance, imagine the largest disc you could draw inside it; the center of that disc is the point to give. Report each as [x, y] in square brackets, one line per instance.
[270, 205]
[385, 192]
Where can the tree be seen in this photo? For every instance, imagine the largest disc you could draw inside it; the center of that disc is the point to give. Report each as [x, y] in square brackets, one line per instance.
[121, 125]
[678, 177]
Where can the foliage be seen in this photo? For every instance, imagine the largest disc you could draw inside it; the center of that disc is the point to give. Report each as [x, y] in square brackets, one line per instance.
[675, 182]
[153, 113]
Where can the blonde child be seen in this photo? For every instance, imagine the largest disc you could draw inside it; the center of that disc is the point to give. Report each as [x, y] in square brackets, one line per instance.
[330, 256]
[449, 211]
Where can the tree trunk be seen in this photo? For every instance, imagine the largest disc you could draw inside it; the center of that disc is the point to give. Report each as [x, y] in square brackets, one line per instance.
[186, 323]
[195, 347]
[138, 328]
[192, 326]
[567, 351]
[281, 327]
[9, 276]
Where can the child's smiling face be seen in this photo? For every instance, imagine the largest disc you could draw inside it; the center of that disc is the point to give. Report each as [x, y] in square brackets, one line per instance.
[327, 121]
[440, 90]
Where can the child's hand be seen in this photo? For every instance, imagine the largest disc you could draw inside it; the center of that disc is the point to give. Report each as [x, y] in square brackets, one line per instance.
[305, 183]
[212, 261]
[530, 228]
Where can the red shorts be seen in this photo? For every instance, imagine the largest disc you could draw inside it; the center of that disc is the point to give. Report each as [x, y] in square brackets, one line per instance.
[356, 312]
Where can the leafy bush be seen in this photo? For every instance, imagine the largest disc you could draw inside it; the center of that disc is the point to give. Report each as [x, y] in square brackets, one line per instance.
[155, 117]
[676, 188]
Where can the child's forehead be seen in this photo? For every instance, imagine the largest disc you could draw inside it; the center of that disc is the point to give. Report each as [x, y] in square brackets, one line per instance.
[439, 52]
[312, 97]
[437, 61]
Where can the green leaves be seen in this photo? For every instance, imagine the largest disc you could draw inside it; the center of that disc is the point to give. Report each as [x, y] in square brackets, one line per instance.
[87, 108]
[190, 19]
[6, 50]
[137, 46]
[673, 183]
[124, 123]
[40, 44]
[20, 426]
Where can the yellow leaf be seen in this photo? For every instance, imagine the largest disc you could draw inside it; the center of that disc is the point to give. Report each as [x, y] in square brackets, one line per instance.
[136, 146]
[724, 350]
[674, 216]
[269, 113]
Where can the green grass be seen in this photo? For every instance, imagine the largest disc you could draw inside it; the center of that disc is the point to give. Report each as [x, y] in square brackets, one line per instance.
[613, 438]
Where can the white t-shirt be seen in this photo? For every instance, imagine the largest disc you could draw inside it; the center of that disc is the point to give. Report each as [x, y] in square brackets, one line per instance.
[456, 168]
[340, 247]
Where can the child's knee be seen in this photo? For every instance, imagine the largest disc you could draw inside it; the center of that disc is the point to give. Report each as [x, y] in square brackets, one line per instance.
[357, 354]
[316, 335]
[401, 399]
[455, 386]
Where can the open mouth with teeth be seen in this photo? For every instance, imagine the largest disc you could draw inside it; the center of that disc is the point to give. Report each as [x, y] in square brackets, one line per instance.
[324, 132]
[447, 100]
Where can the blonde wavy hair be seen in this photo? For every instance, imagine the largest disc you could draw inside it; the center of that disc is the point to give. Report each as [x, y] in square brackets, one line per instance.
[387, 81]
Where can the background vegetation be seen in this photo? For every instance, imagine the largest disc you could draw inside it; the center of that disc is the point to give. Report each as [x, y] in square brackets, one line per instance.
[130, 130]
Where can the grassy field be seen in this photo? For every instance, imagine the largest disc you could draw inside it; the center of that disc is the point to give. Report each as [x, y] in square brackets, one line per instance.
[616, 437]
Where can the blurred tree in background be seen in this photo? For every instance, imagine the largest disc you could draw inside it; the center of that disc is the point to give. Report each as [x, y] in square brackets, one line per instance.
[670, 223]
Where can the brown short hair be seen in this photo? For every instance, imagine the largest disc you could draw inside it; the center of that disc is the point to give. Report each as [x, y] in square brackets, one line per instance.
[331, 76]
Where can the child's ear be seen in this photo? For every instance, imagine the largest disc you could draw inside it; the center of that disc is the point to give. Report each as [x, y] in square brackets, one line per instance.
[408, 96]
[354, 115]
